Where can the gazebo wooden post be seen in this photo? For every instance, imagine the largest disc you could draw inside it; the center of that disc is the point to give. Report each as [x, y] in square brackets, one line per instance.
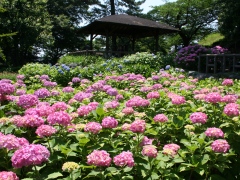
[107, 44]
[156, 42]
[91, 42]
[133, 43]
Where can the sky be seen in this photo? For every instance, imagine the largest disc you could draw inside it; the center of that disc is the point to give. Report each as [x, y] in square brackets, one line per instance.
[146, 6]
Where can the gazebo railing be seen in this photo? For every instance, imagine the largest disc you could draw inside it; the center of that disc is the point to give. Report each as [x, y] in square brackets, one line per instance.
[105, 54]
[219, 62]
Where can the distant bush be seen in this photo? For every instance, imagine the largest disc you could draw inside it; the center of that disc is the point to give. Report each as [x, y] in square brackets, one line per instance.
[83, 61]
[187, 57]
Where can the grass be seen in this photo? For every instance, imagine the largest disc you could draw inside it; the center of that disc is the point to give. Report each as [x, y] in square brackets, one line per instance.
[8, 75]
[210, 39]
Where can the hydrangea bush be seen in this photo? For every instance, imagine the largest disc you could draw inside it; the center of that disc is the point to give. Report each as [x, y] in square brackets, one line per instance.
[120, 126]
[187, 56]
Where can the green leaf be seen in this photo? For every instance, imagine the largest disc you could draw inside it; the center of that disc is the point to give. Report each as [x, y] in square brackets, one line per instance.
[152, 132]
[127, 177]
[9, 129]
[205, 159]
[94, 174]
[54, 175]
[200, 171]
[83, 141]
[143, 173]
[100, 111]
[154, 176]
[111, 169]
[127, 169]
[178, 160]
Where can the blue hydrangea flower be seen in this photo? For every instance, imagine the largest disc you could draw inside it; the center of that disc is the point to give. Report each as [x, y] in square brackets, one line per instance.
[167, 67]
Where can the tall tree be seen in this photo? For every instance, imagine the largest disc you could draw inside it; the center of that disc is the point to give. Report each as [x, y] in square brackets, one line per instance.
[27, 19]
[66, 17]
[229, 23]
[193, 18]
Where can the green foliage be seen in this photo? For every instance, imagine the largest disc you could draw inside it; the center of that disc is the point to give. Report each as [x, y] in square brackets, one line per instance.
[8, 75]
[33, 69]
[229, 23]
[144, 58]
[210, 39]
[82, 61]
[193, 18]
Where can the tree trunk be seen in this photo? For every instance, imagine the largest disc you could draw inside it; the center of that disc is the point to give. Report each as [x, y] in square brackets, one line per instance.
[114, 38]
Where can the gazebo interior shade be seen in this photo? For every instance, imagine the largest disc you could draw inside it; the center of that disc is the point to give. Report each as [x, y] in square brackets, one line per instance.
[126, 25]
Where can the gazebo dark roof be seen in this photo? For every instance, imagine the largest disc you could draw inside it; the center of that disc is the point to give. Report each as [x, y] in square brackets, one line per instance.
[126, 25]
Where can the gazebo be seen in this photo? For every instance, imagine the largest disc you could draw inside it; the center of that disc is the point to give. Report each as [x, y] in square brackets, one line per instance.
[123, 25]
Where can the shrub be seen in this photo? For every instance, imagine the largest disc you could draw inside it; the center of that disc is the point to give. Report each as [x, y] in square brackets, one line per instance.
[187, 57]
[81, 60]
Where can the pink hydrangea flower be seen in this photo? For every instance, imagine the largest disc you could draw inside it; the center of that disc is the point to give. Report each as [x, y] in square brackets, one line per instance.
[138, 126]
[18, 120]
[128, 110]
[49, 84]
[171, 149]
[178, 100]
[153, 95]
[227, 82]
[137, 101]
[44, 110]
[44, 76]
[8, 175]
[20, 92]
[67, 89]
[76, 80]
[33, 154]
[220, 146]
[20, 76]
[229, 98]
[93, 127]
[33, 121]
[150, 151]
[231, 109]
[84, 110]
[125, 158]
[31, 111]
[126, 126]
[146, 141]
[157, 86]
[198, 117]
[200, 96]
[214, 132]
[93, 105]
[111, 104]
[112, 92]
[155, 77]
[55, 92]
[6, 88]
[27, 100]
[42, 93]
[45, 131]
[11, 142]
[109, 122]
[82, 95]
[213, 97]
[119, 97]
[99, 158]
[60, 117]
[59, 106]
[160, 118]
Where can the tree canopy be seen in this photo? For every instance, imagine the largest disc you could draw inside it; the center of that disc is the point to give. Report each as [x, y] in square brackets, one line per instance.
[193, 18]
[29, 28]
